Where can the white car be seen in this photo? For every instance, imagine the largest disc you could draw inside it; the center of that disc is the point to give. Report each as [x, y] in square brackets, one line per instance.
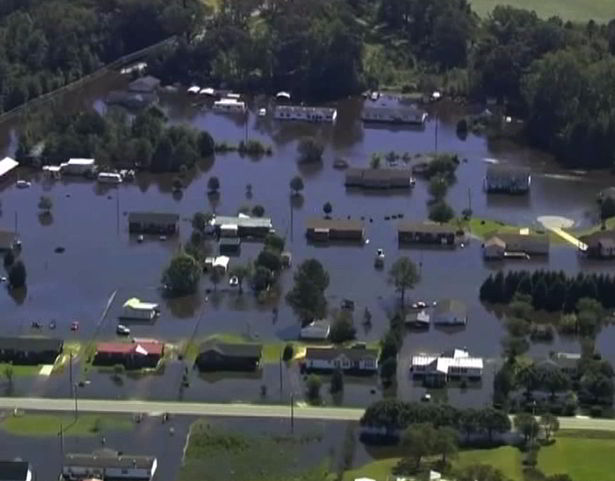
[262, 112]
[23, 184]
[233, 281]
[122, 330]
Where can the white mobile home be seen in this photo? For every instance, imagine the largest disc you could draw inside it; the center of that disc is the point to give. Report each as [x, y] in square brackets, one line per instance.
[108, 464]
[136, 309]
[354, 359]
[78, 167]
[109, 178]
[450, 365]
[230, 105]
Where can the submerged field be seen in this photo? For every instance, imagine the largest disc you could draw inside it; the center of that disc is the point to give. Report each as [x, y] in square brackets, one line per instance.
[575, 10]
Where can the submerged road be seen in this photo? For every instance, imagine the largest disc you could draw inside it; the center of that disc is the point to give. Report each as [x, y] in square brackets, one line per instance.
[234, 410]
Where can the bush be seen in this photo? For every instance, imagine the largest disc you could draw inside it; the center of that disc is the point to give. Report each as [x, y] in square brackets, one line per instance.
[310, 150]
[252, 147]
[9, 258]
[337, 381]
[288, 352]
[342, 329]
[596, 411]
[17, 275]
[206, 144]
[313, 385]
[441, 212]
[258, 210]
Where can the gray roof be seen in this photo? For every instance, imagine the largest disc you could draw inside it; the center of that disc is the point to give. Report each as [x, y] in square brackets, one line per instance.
[233, 350]
[379, 174]
[598, 237]
[7, 240]
[164, 218]
[529, 243]
[31, 344]
[108, 459]
[508, 172]
[144, 84]
[451, 305]
[334, 224]
[253, 222]
[353, 354]
[14, 470]
[425, 227]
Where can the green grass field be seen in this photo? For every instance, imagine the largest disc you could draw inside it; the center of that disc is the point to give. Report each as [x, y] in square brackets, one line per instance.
[46, 425]
[575, 10]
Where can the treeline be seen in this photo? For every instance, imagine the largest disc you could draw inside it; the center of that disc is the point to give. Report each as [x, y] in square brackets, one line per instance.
[46, 44]
[116, 140]
[549, 290]
[393, 416]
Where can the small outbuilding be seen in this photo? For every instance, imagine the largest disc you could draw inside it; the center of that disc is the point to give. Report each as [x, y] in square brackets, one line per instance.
[153, 223]
[450, 312]
[318, 229]
[134, 308]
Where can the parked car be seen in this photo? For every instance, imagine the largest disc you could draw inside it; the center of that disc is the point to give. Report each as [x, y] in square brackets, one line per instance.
[233, 281]
[23, 184]
[122, 330]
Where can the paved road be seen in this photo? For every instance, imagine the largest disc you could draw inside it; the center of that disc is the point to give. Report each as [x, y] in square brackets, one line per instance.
[234, 410]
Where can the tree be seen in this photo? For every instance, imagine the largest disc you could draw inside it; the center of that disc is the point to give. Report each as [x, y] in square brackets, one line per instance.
[556, 296]
[261, 278]
[441, 212]
[9, 373]
[258, 210]
[479, 472]
[296, 185]
[527, 426]
[514, 346]
[17, 275]
[607, 208]
[307, 295]
[438, 187]
[206, 144]
[539, 294]
[597, 387]
[493, 421]
[528, 377]
[45, 204]
[313, 385]
[342, 329]
[200, 221]
[553, 379]
[182, 276]
[274, 242]
[549, 424]
[403, 275]
[215, 277]
[240, 272]
[446, 443]
[327, 208]
[419, 441]
[9, 258]
[388, 370]
[310, 150]
[213, 185]
[337, 381]
[270, 259]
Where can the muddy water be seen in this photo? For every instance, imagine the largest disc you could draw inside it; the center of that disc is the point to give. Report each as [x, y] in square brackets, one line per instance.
[100, 258]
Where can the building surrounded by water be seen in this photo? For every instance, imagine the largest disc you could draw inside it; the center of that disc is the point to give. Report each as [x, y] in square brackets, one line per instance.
[324, 230]
[379, 178]
[108, 465]
[450, 365]
[510, 244]
[153, 223]
[392, 109]
[507, 179]
[426, 233]
[308, 114]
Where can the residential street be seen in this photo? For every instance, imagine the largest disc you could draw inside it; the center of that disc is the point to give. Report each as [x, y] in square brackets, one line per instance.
[234, 410]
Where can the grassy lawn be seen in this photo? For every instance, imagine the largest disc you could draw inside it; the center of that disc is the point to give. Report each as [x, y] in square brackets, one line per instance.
[482, 228]
[247, 457]
[575, 10]
[44, 425]
[18, 370]
[583, 457]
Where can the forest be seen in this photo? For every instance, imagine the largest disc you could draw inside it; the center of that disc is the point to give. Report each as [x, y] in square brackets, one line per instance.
[557, 75]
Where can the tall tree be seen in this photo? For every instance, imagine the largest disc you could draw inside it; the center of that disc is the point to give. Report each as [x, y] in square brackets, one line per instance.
[403, 275]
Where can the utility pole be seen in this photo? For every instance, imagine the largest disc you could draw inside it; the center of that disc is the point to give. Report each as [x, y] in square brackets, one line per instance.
[292, 413]
[117, 210]
[436, 133]
[281, 381]
[70, 370]
[61, 434]
[291, 217]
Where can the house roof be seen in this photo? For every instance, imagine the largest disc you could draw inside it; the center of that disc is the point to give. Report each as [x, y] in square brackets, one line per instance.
[417, 317]
[137, 304]
[530, 242]
[599, 236]
[566, 360]
[31, 344]
[7, 239]
[425, 227]
[381, 174]
[451, 306]
[242, 221]
[144, 84]
[443, 362]
[508, 172]
[108, 459]
[330, 353]
[495, 241]
[153, 218]
[14, 470]
[316, 223]
[232, 349]
[143, 348]
[6, 165]
[229, 241]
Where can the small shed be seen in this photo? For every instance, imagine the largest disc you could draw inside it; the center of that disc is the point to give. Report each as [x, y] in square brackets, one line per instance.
[494, 248]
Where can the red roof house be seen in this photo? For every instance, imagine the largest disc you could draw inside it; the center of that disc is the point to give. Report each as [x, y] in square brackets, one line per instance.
[132, 355]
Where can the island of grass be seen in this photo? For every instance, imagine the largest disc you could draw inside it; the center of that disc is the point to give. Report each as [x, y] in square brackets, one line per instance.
[47, 425]
[573, 10]
[250, 457]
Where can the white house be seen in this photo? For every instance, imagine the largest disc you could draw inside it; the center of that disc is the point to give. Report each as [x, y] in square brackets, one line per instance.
[109, 178]
[229, 105]
[450, 312]
[108, 464]
[418, 318]
[357, 359]
[136, 309]
[78, 166]
[450, 365]
[317, 330]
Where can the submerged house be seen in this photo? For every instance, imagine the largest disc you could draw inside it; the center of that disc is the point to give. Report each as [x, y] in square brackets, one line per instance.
[153, 223]
[316, 330]
[318, 229]
[426, 233]
[600, 244]
[450, 365]
[355, 359]
[300, 112]
[16, 471]
[242, 226]
[217, 356]
[8, 241]
[30, 350]
[379, 178]
[391, 109]
[132, 355]
[418, 319]
[507, 179]
[108, 465]
[450, 312]
[147, 84]
[511, 244]
[134, 308]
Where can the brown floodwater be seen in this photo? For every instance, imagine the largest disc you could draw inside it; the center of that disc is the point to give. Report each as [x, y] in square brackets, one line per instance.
[100, 258]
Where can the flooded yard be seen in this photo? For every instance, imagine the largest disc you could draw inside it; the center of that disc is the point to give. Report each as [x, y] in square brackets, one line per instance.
[100, 258]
